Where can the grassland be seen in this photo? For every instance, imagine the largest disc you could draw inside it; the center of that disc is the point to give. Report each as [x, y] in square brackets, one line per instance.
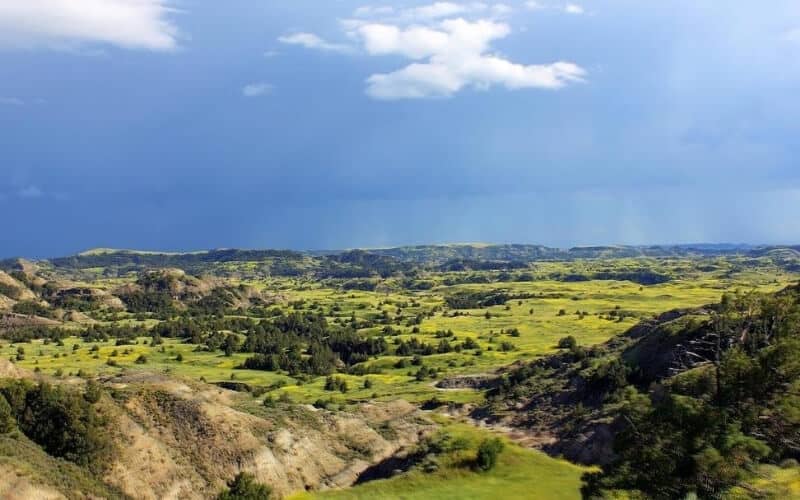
[543, 308]
[548, 312]
[520, 473]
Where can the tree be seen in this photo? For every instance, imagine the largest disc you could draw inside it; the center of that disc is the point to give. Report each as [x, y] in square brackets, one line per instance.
[7, 420]
[244, 487]
[488, 452]
[731, 403]
[567, 342]
[93, 392]
[230, 345]
[61, 421]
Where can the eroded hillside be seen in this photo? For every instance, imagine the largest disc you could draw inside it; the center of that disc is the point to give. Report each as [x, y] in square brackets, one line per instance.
[179, 439]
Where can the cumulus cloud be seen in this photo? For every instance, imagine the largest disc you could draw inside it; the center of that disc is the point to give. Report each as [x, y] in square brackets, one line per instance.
[256, 89]
[449, 46]
[572, 8]
[427, 13]
[64, 24]
[455, 55]
[312, 41]
[533, 5]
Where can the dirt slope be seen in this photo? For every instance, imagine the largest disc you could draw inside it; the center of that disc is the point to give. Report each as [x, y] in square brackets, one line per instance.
[179, 439]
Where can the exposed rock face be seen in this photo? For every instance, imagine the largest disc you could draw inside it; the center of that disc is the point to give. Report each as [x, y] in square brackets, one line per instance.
[13, 289]
[10, 370]
[185, 442]
[179, 439]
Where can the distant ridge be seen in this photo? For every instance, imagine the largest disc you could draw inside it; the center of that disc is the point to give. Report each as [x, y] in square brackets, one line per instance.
[412, 254]
[107, 251]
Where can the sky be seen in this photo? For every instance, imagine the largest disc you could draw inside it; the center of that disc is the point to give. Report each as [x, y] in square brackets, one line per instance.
[324, 124]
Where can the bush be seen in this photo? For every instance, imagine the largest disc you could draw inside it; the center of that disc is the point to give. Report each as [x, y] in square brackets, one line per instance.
[488, 452]
[7, 420]
[567, 343]
[93, 392]
[507, 346]
[335, 384]
[244, 487]
[142, 359]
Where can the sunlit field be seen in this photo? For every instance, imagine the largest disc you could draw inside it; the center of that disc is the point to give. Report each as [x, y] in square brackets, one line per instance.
[524, 328]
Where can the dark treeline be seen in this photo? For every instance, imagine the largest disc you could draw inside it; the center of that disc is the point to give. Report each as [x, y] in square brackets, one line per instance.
[63, 421]
[696, 403]
[735, 405]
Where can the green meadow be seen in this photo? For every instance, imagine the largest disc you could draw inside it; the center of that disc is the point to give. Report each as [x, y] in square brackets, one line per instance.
[519, 473]
[591, 311]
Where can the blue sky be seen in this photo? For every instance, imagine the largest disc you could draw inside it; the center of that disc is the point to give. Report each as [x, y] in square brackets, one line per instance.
[177, 125]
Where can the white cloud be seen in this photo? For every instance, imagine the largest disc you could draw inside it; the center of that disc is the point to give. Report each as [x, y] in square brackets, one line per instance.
[64, 24]
[533, 5]
[11, 101]
[256, 89]
[312, 41]
[792, 35]
[572, 8]
[271, 53]
[426, 14]
[450, 48]
[456, 56]
[30, 192]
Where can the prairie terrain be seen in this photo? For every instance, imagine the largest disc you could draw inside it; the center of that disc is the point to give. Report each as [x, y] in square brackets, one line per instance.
[372, 342]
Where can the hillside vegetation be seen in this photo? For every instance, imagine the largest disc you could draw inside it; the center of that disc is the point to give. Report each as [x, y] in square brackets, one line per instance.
[366, 371]
[697, 402]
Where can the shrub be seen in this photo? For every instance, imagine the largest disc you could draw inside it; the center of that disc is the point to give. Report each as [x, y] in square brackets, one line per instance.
[7, 420]
[506, 346]
[245, 487]
[567, 342]
[335, 384]
[488, 452]
[93, 392]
